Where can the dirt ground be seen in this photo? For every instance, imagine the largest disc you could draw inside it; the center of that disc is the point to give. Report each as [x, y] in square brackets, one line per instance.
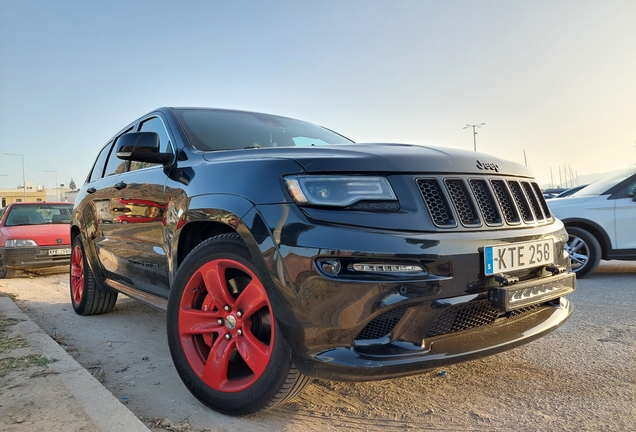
[581, 377]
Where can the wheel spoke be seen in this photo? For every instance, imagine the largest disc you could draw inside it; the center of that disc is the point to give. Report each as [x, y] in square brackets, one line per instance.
[255, 353]
[78, 289]
[216, 366]
[77, 275]
[193, 321]
[579, 257]
[576, 244]
[213, 275]
[77, 270]
[252, 298]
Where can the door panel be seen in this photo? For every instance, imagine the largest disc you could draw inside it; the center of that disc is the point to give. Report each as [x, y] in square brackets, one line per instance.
[137, 245]
[625, 217]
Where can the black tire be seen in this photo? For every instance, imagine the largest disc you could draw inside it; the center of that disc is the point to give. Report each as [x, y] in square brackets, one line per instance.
[584, 249]
[218, 273]
[87, 297]
[6, 273]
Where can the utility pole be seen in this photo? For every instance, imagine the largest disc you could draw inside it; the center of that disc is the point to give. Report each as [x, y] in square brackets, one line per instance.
[474, 132]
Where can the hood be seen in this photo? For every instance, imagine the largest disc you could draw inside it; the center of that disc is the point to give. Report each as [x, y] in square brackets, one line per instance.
[571, 201]
[573, 207]
[383, 158]
[43, 235]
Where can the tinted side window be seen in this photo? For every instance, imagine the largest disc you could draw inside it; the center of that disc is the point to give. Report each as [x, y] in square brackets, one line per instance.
[116, 165]
[156, 125]
[153, 124]
[98, 168]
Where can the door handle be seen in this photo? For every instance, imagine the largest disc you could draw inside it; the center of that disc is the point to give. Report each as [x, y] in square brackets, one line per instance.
[91, 190]
[120, 185]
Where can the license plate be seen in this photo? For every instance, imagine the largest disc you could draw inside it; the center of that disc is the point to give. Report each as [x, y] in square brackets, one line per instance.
[517, 256]
[66, 251]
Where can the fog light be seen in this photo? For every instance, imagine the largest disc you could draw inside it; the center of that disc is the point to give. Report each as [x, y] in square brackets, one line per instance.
[332, 267]
[387, 268]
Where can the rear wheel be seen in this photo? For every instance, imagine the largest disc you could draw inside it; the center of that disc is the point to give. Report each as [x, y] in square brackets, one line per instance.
[223, 335]
[585, 251]
[6, 273]
[86, 296]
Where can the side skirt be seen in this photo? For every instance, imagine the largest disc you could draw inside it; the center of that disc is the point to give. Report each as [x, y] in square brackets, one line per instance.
[159, 303]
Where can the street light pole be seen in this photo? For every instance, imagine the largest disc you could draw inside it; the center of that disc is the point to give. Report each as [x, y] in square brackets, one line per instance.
[474, 132]
[57, 195]
[23, 176]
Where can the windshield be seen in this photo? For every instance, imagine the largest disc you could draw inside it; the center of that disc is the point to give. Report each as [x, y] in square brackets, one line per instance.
[210, 130]
[39, 214]
[606, 182]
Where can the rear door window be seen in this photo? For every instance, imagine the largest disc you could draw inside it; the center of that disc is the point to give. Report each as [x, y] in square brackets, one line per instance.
[98, 168]
[115, 165]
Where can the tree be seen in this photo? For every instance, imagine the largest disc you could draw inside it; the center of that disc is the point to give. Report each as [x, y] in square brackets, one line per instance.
[71, 185]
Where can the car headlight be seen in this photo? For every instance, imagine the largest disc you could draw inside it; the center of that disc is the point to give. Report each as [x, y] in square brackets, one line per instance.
[338, 191]
[20, 243]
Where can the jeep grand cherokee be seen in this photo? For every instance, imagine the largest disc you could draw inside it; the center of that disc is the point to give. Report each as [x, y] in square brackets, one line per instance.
[283, 251]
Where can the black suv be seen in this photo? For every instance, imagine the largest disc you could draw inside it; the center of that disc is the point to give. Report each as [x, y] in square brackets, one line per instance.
[283, 252]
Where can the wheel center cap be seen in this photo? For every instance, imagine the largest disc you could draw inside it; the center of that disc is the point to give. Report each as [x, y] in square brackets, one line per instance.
[230, 322]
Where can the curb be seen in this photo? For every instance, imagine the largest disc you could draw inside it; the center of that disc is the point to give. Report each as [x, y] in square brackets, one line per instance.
[90, 395]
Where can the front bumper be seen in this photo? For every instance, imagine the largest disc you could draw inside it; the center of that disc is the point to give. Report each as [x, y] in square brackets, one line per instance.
[353, 364]
[35, 257]
[356, 327]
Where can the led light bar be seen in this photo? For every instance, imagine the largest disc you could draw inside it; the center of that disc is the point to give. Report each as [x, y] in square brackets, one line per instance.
[387, 268]
[511, 297]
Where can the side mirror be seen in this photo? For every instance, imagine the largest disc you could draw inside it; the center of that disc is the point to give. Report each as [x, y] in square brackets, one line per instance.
[141, 147]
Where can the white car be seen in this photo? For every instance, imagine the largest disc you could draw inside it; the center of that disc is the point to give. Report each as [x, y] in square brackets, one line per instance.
[600, 220]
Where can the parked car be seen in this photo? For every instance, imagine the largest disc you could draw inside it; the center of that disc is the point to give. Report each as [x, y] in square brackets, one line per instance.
[570, 191]
[34, 235]
[600, 221]
[283, 252]
[551, 193]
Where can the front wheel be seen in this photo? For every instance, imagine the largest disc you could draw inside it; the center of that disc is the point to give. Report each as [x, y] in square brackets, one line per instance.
[6, 273]
[222, 332]
[585, 251]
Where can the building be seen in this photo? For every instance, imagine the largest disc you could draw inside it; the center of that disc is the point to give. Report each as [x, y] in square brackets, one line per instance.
[8, 196]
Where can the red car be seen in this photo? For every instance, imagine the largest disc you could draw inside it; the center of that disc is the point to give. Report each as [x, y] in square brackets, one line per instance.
[34, 235]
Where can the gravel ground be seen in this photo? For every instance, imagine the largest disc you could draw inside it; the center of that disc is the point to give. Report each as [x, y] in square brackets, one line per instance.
[581, 377]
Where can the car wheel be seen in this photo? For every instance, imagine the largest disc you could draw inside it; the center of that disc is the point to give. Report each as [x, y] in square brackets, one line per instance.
[6, 273]
[86, 296]
[222, 333]
[584, 249]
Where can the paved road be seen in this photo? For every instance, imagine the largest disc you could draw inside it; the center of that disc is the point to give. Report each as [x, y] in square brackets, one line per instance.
[581, 377]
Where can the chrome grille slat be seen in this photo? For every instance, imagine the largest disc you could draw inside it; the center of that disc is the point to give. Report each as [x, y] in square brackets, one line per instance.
[521, 201]
[491, 200]
[544, 204]
[463, 202]
[506, 202]
[486, 202]
[436, 202]
[532, 199]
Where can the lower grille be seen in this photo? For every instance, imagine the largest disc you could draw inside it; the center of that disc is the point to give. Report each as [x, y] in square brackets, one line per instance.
[463, 317]
[523, 310]
[470, 315]
[382, 325]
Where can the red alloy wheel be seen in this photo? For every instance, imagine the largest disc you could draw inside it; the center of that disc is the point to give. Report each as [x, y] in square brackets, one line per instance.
[77, 274]
[226, 325]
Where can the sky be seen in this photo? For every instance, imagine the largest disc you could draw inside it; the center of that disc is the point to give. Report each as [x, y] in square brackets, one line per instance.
[553, 79]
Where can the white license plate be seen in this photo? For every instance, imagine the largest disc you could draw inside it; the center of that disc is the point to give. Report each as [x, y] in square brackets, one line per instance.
[66, 251]
[517, 256]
